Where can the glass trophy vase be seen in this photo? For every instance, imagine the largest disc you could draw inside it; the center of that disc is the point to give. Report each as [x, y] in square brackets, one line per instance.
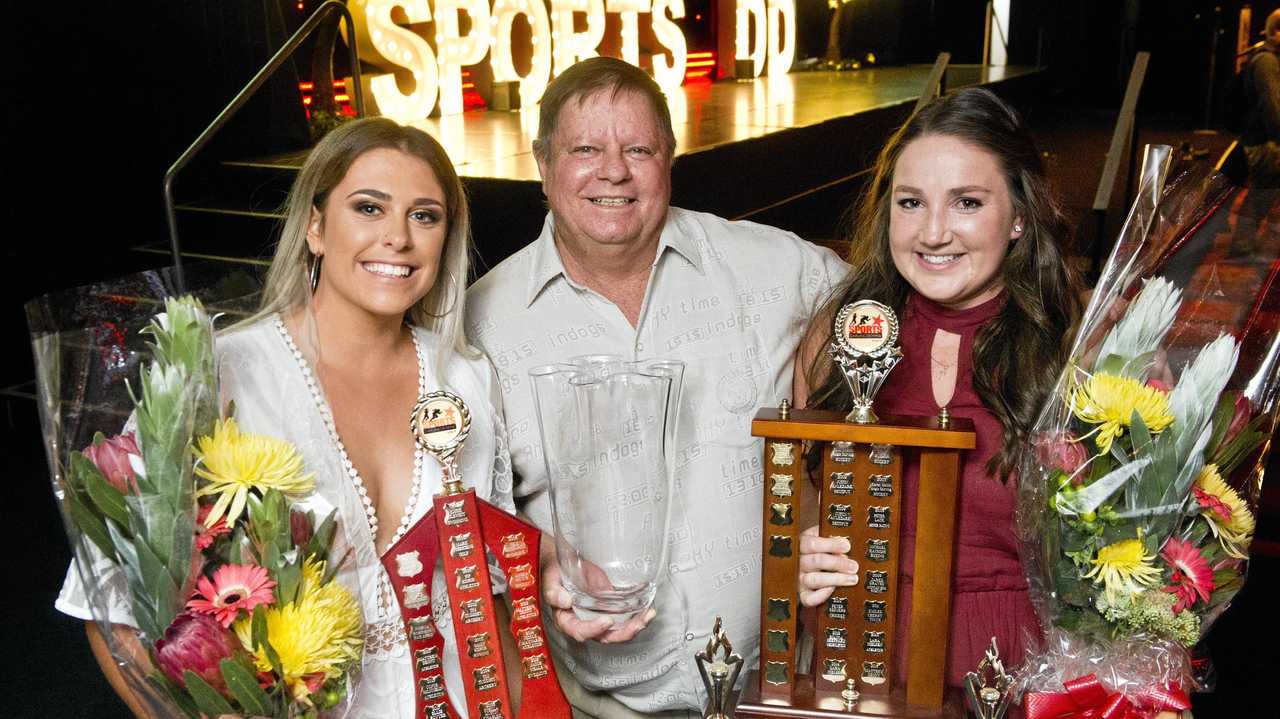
[608, 431]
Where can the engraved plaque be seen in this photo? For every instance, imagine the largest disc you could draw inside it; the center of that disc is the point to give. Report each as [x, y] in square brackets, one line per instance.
[775, 672]
[485, 678]
[882, 454]
[873, 611]
[836, 638]
[840, 515]
[427, 660]
[780, 513]
[431, 688]
[491, 709]
[415, 596]
[842, 452]
[472, 612]
[466, 578]
[777, 640]
[408, 564]
[873, 642]
[833, 670]
[779, 545]
[535, 667]
[779, 609]
[838, 608]
[529, 638]
[521, 576]
[873, 672]
[421, 628]
[880, 485]
[877, 581]
[524, 609]
[878, 550]
[878, 517]
[478, 645]
[455, 512]
[780, 485]
[783, 453]
[842, 483]
[514, 546]
[436, 711]
[460, 545]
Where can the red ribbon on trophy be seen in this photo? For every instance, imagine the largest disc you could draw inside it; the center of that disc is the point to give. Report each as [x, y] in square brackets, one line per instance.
[458, 529]
[1086, 698]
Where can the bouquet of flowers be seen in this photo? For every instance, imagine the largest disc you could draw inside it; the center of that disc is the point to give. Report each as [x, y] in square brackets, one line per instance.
[188, 520]
[1136, 501]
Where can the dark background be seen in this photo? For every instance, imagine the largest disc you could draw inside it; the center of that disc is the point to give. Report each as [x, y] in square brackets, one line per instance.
[102, 97]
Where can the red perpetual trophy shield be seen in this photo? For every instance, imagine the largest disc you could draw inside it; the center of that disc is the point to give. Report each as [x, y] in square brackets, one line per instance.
[457, 530]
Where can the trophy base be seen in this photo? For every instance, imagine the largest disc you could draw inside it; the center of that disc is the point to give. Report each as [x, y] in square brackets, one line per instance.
[806, 703]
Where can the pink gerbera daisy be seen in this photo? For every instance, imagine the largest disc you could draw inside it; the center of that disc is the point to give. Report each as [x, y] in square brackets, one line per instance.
[234, 587]
[206, 535]
[1191, 577]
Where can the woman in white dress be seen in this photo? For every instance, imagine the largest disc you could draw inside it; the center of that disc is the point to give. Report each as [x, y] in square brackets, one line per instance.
[361, 314]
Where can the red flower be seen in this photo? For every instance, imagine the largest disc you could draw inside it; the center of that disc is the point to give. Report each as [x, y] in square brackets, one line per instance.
[300, 529]
[1239, 419]
[111, 457]
[1158, 384]
[206, 535]
[198, 643]
[1191, 576]
[1061, 450]
[234, 587]
[1211, 503]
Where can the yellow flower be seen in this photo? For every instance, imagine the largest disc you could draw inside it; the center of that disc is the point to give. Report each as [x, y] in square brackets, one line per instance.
[1234, 530]
[1110, 401]
[235, 462]
[320, 633]
[1123, 567]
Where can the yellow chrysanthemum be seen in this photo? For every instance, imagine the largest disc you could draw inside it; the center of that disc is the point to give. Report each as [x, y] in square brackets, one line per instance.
[1109, 401]
[1123, 567]
[320, 633]
[1234, 532]
[235, 462]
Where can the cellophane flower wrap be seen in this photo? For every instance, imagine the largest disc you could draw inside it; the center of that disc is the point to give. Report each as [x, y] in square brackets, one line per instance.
[1137, 495]
[178, 515]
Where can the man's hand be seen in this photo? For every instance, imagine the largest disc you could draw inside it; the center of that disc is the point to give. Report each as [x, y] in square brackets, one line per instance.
[602, 630]
[824, 565]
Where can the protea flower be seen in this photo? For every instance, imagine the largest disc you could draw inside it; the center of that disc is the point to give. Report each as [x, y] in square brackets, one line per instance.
[198, 643]
[1061, 450]
[300, 529]
[1191, 576]
[111, 457]
[234, 588]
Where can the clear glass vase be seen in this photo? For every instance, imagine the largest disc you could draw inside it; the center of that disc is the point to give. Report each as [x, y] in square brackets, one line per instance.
[608, 436]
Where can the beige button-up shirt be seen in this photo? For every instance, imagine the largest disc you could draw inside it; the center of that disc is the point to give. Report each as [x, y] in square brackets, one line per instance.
[730, 299]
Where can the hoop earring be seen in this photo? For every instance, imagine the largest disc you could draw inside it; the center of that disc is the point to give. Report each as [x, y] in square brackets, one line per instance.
[313, 274]
[452, 280]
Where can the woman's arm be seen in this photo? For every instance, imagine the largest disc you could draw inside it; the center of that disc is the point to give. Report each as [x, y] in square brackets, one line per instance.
[126, 640]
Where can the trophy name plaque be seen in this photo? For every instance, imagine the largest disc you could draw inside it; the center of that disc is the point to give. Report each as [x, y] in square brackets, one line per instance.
[455, 533]
[859, 495]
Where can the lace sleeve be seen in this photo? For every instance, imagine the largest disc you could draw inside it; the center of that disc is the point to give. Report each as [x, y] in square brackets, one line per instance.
[500, 492]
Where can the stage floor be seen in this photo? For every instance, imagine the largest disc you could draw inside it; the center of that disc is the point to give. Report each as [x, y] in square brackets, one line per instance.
[497, 145]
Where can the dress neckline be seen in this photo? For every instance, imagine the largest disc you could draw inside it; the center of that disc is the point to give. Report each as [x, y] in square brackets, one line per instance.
[353, 475]
[955, 320]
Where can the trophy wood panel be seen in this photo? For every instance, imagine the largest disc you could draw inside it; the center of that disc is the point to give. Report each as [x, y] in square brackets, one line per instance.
[778, 573]
[809, 702]
[828, 426]
[931, 594]
[862, 534]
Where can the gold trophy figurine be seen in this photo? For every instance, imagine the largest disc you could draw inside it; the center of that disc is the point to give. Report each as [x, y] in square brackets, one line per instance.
[719, 668]
[988, 691]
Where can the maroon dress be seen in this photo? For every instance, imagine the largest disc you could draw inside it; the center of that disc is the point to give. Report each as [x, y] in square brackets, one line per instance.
[989, 590]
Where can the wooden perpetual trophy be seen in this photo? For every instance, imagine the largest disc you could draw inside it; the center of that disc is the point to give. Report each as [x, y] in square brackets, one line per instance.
[860, 499]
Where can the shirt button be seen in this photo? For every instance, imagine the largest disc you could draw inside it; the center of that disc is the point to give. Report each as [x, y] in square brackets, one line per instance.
[688, 637]
[640, 347]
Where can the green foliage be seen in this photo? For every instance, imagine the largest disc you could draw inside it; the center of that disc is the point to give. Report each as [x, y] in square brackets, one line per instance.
[209, 701]
[175, 693]
[244, 687]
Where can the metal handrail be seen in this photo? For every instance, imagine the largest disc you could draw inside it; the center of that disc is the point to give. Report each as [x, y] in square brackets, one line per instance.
[242, 98]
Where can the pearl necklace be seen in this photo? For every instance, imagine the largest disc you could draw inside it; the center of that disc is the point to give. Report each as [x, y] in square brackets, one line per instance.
[371, 513]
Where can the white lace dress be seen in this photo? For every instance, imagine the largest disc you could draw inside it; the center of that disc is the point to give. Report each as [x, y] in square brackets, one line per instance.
[275, 393]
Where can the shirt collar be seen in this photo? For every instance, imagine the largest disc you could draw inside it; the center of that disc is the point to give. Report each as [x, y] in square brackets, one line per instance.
[678, 234]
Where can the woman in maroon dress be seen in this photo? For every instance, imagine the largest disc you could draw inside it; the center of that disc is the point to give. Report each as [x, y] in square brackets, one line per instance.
[958, 233]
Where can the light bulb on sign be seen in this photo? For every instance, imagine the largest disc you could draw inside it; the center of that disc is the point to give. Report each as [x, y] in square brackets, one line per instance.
[571, 46]
[629, 14]
[782, 35]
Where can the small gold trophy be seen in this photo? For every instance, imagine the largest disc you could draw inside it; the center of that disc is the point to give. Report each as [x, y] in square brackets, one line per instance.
[719, 668]
[866, 350]
[989, 690]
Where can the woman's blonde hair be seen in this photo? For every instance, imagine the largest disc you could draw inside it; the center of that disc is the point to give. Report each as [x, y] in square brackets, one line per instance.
[288, 286]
